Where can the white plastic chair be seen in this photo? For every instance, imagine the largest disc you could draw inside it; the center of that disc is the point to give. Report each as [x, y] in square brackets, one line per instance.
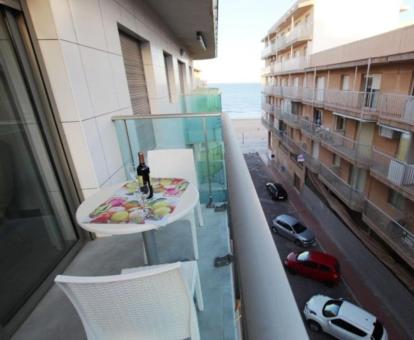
[148, 303]
[177, 163]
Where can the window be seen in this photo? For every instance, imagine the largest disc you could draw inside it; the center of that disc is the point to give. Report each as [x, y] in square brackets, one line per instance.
[336, 160]
[348, 327]
[303, 256]
[310, 265]
[340, 122]
[324, 269]
[284, 225]
[169, 72]
[331, 308]
[299, 228]
[345, 81]
[317, 117]
[181, 74]
[396, 199]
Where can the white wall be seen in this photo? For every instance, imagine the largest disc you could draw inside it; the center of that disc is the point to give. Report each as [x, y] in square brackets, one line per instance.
[337, 22]
[80, 47]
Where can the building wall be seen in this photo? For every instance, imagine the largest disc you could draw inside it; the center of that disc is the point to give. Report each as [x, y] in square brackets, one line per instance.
[80, 47]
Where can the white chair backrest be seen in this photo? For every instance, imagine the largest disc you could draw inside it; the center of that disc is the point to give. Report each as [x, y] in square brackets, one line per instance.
[177, 163]
[149, 304]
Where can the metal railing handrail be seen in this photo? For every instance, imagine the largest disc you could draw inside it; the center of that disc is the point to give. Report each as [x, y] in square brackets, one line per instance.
[166, 116]
[376, 151]
[339, 178]
[269, 307]
[368, 201]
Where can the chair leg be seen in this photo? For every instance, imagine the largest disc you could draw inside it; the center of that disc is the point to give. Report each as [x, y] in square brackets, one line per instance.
[199, 294]
[191, 218]
[200, 215]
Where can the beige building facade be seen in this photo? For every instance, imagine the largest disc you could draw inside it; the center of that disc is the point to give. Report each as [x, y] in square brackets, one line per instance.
[345, 118]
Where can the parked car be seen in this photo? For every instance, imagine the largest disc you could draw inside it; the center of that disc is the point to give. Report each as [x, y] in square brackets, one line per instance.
[315, 265]
[291, 228]
[276, 191]
[342, 319]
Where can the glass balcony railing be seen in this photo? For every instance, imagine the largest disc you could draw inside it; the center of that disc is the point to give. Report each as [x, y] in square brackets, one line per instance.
[201, 100]
[353, 198]
[200, 133]
[394, 231]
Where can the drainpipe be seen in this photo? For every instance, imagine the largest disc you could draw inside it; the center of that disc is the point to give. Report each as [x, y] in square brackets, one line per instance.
[355, 76]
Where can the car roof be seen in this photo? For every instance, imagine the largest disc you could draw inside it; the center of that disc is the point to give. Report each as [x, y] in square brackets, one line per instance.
[322, 258]
[357, 316]
[287, 219]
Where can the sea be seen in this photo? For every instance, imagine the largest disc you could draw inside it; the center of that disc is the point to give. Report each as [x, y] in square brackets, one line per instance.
[240, 100]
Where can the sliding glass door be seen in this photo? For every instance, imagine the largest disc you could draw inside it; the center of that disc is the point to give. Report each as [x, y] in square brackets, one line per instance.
[36, 230]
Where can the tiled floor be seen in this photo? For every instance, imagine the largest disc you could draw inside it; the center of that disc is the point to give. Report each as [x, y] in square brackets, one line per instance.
[55, 318]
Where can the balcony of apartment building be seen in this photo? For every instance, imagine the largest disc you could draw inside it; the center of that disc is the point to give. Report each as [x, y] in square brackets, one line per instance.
[356, 153]
[396, 108]
[330, 176]
[240, 297]
[292, 92]
[273, 90]
[298, 34]
[297, 63]
[290, 118]
[393, 172]
[393, 230]
[358, 104]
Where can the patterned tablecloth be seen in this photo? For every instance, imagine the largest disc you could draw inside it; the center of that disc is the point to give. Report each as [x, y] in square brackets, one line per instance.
[126, 206]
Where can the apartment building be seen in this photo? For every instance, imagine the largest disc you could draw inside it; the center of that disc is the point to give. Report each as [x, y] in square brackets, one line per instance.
[67, 68]
[344, 117]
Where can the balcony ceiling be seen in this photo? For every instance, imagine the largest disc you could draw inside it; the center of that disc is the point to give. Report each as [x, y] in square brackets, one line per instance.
[185, 18]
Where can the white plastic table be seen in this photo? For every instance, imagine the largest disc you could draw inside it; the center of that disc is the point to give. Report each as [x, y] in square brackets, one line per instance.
[183, 210]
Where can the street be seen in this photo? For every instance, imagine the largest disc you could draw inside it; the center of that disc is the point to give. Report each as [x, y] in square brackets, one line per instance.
[303, 288]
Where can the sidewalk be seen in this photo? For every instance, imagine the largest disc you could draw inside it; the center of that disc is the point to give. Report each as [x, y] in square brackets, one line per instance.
[371, 283]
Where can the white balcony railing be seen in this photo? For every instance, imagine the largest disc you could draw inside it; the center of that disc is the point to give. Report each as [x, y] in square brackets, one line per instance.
[393, 230]
[300, 32]
[395, 106]
[392, 169]
[353, 198]
[346, 146]
[292, 92]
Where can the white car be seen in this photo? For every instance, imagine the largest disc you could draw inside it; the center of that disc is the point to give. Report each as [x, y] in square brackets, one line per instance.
[342, 319]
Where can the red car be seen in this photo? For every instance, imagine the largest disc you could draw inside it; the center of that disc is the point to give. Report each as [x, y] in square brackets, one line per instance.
[315, 265]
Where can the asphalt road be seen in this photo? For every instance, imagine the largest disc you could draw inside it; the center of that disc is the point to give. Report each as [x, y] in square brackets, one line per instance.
[302, 287]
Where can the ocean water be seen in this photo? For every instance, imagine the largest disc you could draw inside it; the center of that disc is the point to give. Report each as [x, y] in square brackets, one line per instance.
[240, 100]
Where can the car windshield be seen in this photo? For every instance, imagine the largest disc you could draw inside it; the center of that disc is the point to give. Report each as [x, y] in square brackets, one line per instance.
[331, 308]
[299, 228]
[303, 256]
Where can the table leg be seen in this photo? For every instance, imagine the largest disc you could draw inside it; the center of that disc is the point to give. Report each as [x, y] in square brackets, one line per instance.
[150, 247]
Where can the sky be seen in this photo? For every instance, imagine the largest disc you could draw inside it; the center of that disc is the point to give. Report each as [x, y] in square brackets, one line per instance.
[242, 25]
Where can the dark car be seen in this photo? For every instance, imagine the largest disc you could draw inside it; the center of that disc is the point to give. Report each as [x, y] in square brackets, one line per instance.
[315, 265]
[276, 191]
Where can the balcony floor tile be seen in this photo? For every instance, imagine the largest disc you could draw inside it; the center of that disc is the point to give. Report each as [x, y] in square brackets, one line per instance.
[55, 318]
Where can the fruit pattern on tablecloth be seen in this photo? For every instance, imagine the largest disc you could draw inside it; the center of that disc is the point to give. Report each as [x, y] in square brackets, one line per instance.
[125, 207]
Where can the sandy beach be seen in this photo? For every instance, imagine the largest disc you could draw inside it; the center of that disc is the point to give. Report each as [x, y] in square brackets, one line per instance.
[251, 134]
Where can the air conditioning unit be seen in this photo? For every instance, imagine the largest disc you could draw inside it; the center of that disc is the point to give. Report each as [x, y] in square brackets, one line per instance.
[388, 133]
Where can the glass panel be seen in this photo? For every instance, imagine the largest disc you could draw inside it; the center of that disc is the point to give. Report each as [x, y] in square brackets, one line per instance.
[35, 229]
[202, 134]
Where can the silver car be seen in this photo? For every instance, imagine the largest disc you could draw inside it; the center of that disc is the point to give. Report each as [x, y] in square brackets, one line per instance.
[292, 229]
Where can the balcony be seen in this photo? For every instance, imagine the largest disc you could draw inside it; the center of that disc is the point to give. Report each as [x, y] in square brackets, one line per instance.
[392, 171]
[313, 130]
[201, 100]
[353, 198]
[292, 92]
[357, 153]
[290, 118]
[273, 90]
[361, 105]
[297, 34]
[397, 107]
[394, 231]
[292, 64]
[268, 308]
